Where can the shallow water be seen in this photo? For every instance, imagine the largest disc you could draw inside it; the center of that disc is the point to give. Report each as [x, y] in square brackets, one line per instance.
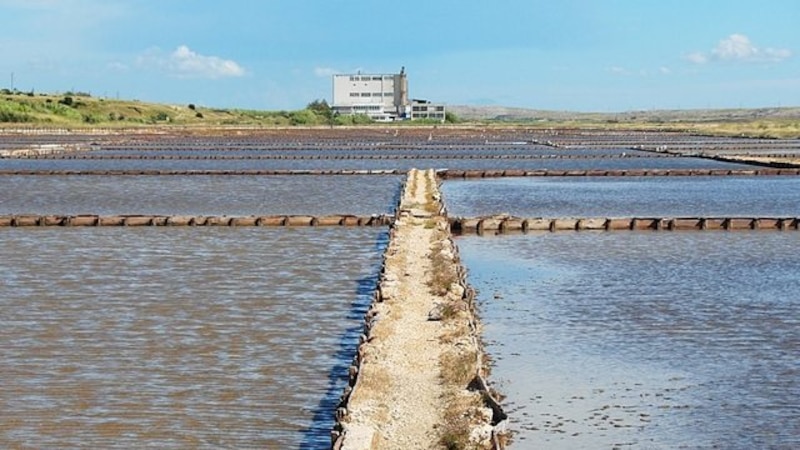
[643, 340]
[625, 196]
[369, 164]
[199, 194]
[180, 337]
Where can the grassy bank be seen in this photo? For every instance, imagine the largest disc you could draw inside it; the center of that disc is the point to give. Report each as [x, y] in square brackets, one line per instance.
[77, 110]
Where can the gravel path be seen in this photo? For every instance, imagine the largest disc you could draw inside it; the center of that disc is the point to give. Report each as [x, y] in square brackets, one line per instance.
[399, 400]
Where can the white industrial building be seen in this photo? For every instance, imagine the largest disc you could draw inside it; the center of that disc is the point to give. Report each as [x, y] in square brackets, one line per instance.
[382, 97]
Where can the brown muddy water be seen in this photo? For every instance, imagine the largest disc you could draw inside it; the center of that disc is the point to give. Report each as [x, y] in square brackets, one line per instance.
[643, 340]
[199, 194]
[179, 338]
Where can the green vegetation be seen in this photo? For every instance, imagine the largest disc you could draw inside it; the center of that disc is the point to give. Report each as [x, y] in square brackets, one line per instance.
[77, 109]
[451, 117]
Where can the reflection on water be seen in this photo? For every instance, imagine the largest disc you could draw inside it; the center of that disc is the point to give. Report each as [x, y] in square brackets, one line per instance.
[199, 194]
[179, 338]
[624, 196]
[641, 340]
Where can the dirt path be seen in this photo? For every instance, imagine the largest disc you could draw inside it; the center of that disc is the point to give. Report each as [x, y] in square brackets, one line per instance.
[421, 351]
[400, 399]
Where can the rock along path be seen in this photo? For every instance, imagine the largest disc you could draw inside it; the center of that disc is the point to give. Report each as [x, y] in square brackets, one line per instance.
[402, 396]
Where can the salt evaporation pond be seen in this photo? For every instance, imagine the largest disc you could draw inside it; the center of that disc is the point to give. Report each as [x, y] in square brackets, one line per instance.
[180, 337]
[200, 194]
[624, 196]
[656, 162]
[643, 340]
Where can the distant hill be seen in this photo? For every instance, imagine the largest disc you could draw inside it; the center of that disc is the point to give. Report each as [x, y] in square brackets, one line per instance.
[76, 110]
[507, 114]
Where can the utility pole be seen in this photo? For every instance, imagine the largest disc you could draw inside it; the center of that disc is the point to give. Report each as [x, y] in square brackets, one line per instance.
[12, 81]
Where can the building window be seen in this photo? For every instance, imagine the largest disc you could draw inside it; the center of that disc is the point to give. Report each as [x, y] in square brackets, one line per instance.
[388, 94]
[440, 108]
[377, 94]
[376, 78]
[365, 94]
[354, 94]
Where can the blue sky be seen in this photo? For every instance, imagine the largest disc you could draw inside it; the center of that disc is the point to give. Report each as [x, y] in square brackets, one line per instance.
[582, 55]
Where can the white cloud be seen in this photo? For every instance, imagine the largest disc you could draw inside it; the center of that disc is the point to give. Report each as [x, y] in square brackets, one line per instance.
[325, 72]
[697, 58]
[739, 48]
[616, 70]
[186, 63]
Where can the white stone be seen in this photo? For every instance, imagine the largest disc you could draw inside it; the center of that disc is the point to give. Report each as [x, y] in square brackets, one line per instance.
[481, 435]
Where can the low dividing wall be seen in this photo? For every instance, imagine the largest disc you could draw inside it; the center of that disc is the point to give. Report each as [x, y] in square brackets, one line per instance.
[452, 174]
[442, 174]
[786, 161]
[200, 172]
[42, 150]
[96, 156]
[225, 221]
[506, 224]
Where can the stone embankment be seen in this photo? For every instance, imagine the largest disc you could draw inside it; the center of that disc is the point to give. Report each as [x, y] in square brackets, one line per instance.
[22, 220]
[505, 224]
[157, 172]
[454, 174]
[43, 150]
[418, 379]
[787, 161]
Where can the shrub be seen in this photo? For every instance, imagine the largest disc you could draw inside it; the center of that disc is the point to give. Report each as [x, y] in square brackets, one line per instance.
[9, 116]
[159, 117]
[303, 117]
[357, 119]
[321, 108]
